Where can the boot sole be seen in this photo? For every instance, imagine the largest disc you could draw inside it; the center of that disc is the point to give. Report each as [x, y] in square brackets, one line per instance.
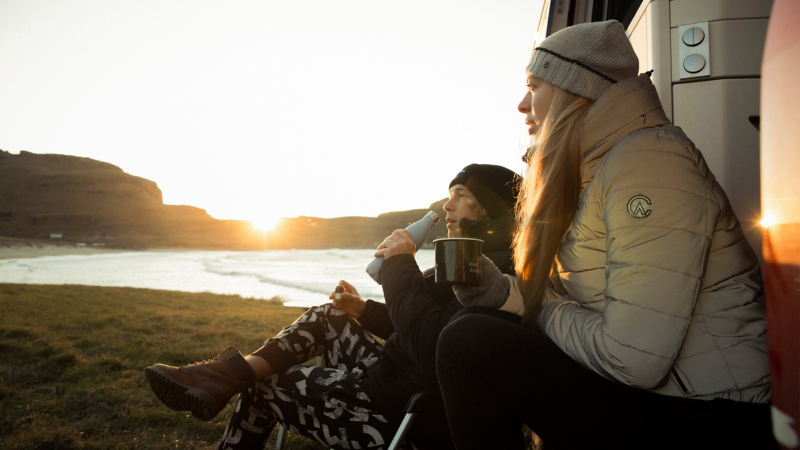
[179, 397]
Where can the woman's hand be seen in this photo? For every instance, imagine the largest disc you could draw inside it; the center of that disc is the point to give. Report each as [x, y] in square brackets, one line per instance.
[399, 243]
[492, 292]
[351, 301]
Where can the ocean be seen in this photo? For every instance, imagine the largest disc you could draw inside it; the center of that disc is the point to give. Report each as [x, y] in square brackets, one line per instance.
[300, 277]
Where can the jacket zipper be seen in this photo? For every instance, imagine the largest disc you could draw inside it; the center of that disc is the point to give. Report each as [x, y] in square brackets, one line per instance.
[678, 378]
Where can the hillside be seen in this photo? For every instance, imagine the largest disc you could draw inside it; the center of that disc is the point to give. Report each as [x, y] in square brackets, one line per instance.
[96, 203]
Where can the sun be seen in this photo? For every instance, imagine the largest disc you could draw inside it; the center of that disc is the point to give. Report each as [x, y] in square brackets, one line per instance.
[265, 223]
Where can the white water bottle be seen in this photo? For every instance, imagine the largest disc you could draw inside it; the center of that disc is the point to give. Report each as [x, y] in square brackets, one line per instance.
[419, 232]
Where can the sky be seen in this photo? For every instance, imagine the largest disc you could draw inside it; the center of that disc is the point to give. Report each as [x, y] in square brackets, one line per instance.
[254, 110]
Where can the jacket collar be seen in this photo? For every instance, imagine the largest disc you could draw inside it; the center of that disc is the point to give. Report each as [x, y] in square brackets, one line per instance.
[627, 106]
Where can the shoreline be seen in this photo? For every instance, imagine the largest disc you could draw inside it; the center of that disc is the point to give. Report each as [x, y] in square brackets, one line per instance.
[24, 252]
[18, 248]
[179, 270]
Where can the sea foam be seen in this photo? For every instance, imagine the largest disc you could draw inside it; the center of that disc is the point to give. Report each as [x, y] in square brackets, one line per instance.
[299, 277]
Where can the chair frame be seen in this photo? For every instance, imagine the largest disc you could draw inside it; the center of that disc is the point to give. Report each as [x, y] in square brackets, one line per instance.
[419, 402]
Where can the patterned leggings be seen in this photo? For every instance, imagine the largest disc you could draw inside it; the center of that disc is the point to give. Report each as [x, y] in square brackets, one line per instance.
[327, 403]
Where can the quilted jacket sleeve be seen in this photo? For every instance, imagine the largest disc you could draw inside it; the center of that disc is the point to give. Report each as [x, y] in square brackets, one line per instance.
[659, 212]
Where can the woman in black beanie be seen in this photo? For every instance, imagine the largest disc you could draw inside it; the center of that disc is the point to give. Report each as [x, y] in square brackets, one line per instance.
[495, 189]
[357, 399]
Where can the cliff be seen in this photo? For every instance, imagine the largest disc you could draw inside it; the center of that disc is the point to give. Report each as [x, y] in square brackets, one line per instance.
[89, 201]
[350, 232]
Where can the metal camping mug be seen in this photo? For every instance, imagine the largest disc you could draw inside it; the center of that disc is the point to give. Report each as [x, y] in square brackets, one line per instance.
[458, 261]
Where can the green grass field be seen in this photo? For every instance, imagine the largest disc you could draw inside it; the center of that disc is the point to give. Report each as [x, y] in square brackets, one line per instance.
[72, 360]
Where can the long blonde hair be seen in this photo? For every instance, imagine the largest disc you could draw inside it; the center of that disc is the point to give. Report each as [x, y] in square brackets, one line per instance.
[548, 198]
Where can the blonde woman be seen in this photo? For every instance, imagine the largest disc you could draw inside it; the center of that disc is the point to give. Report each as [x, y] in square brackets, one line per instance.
[641, 300]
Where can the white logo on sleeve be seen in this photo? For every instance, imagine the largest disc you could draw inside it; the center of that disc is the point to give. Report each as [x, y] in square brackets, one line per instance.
[639, 207]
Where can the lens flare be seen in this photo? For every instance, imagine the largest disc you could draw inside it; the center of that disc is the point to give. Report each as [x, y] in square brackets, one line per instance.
[768, 220]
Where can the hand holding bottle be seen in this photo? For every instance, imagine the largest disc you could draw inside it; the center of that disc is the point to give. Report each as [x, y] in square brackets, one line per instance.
[417, 232]
[349, 300]
[399, 242]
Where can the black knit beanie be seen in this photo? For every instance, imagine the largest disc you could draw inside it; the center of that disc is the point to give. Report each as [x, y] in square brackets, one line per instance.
[495, 187]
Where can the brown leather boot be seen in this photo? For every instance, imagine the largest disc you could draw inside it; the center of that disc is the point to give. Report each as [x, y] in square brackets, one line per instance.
[203, 388]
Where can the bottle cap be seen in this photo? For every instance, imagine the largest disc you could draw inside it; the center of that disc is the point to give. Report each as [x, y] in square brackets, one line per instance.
[339, 289]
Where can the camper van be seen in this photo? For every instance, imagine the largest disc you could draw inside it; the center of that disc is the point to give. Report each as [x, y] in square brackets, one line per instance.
[706, 58]
[706, 61]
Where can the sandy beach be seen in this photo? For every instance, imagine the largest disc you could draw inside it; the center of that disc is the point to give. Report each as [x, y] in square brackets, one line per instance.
[13, 248]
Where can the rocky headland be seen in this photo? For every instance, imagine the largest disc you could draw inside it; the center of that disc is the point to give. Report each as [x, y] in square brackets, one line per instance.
[73, 200]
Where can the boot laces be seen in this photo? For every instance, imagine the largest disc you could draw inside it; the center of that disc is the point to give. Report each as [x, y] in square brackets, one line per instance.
[197, 363]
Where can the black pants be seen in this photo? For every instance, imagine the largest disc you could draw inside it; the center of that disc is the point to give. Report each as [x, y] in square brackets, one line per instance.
[495, 375]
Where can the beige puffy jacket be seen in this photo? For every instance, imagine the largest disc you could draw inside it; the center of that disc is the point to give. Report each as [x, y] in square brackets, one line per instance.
[657, 287]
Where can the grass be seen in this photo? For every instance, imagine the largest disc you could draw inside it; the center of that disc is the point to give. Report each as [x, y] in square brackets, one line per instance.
[72, 360]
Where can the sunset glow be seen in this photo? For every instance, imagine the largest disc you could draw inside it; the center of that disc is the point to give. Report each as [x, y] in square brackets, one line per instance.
[318, 108]
[265, 223]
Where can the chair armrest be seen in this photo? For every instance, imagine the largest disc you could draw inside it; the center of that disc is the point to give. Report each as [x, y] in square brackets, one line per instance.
[425, 401]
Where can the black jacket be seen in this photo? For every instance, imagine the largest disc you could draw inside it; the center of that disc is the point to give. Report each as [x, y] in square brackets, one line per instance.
[415, 312]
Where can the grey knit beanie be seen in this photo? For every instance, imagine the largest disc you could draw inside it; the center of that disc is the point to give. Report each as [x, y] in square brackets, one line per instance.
[585, 59]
